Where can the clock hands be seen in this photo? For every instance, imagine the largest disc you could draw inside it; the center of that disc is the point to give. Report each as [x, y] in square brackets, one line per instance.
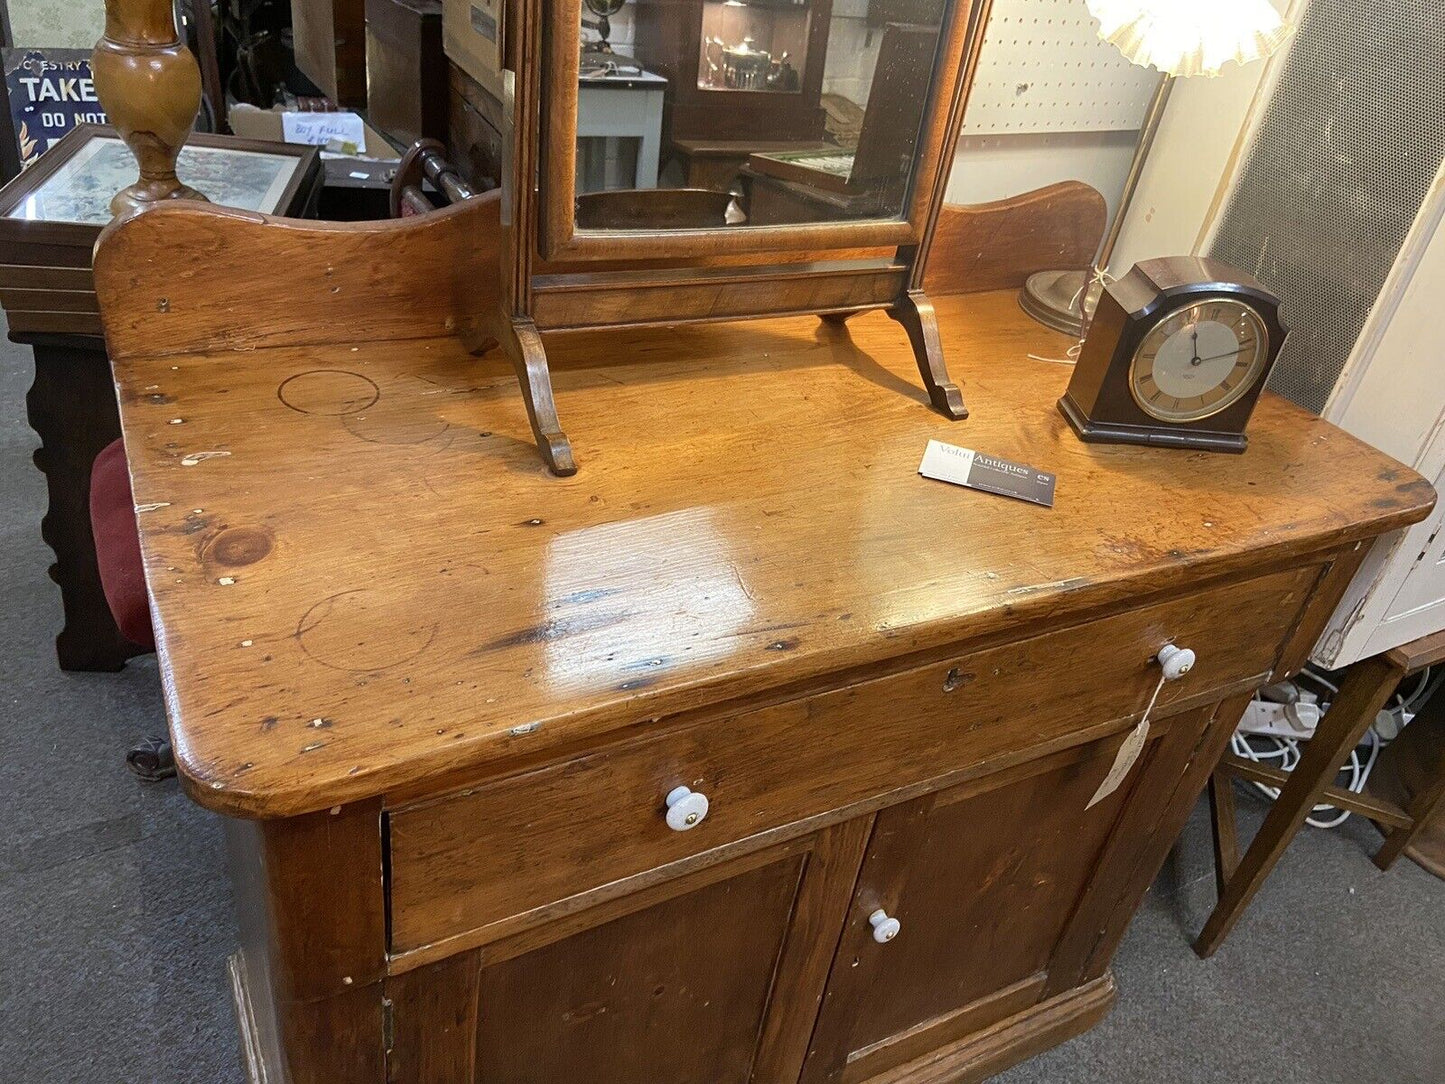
[1195, 360]
[1216, 357]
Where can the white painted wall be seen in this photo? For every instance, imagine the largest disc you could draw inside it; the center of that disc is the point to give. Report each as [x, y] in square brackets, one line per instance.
[852, 52]
[1181, 179]
[1187, 166]
[72, 24]
[1051, 103]
[998, 166]
[1192, 156]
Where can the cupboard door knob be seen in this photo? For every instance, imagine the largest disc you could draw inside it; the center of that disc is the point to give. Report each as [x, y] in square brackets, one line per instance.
[885, 929]
[1175, 661]
[685, 809]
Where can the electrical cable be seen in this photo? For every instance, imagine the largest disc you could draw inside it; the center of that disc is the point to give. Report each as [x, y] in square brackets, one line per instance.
[1261, 748]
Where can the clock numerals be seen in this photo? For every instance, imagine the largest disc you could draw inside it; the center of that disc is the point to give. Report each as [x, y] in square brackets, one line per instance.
[1198, 360]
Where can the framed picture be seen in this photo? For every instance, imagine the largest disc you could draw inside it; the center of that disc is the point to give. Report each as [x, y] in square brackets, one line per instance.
[74, 181]
[53, 212]
[65, 196]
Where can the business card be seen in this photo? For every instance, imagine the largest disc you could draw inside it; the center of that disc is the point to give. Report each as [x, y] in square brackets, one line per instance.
[989, 473]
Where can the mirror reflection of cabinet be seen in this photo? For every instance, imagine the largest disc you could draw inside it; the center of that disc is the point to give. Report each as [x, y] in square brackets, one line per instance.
[806, 217]
[738, 71]
[868, 179]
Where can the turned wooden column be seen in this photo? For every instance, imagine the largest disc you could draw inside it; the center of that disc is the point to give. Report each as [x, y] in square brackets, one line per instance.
[150, 85]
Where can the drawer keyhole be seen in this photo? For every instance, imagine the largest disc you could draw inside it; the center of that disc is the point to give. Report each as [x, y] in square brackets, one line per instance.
[956, 678]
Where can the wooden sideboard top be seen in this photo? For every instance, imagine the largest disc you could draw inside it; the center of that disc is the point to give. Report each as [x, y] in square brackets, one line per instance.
[365, 582]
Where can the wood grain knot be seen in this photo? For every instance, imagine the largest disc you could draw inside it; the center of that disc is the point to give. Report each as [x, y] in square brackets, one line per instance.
[238, 546]
[330, 392]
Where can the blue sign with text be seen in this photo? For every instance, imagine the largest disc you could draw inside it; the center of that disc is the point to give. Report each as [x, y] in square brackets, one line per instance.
[50, 92]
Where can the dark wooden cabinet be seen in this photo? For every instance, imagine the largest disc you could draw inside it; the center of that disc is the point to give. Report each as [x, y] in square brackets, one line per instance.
[406, 69]
[669, 35]
[474, 120]
[330, 37]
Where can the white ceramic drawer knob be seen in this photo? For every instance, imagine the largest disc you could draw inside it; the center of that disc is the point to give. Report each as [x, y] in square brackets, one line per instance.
[885, 929]
[685, 809]
[1175, 661]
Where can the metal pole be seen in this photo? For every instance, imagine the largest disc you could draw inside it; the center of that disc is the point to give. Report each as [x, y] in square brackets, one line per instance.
[1136, 169]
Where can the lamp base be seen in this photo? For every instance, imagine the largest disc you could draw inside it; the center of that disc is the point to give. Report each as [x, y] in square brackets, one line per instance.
[151, 190]
[1062, 300]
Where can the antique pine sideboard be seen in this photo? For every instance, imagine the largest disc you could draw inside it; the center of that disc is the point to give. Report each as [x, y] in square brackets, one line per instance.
[442, 698]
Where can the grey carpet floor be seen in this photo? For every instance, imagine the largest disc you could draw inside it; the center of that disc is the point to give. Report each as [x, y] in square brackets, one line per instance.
[115, 915]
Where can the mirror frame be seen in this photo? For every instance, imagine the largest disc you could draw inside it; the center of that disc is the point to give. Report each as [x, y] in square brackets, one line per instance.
[560, 239]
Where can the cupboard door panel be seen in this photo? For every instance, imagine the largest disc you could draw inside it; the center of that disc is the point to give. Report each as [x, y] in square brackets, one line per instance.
[982, 880]
[1172, 777]
[672, 995]
[714, 977]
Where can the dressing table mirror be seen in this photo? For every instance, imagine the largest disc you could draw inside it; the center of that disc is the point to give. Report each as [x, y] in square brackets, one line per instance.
[835, 129]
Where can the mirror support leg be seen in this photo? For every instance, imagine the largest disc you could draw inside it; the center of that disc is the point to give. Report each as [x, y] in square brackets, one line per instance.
[915, 312]
[523, 345]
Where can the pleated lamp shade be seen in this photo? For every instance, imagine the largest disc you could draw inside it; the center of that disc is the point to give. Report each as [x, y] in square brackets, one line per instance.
[1190, 37]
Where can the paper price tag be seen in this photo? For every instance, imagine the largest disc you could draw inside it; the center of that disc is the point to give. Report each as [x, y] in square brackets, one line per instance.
[324, 129]
[1128, 754]
[989, 473]
[1124, 759]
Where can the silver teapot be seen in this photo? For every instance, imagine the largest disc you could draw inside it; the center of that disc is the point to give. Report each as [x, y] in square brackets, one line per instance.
[742, 67]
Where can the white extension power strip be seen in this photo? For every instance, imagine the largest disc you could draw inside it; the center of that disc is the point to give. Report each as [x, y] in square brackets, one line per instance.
[1283, 715]
[1297, 720]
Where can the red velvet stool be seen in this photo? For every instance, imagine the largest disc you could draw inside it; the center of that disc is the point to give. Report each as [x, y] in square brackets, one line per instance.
[122, 577]
[117, 545]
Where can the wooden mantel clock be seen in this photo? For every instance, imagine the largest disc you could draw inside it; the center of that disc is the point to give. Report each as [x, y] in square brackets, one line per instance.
[1177, 356]
[831, 226]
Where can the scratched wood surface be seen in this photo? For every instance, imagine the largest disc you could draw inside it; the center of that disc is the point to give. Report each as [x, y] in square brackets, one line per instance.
[364, 579]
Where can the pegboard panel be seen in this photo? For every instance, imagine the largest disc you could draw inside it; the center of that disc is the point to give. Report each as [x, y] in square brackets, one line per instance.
[1045, 69]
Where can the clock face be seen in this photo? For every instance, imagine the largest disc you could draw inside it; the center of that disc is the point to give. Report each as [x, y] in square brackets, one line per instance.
[1199, 360]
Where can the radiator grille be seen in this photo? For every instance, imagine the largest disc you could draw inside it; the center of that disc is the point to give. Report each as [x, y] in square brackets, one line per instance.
[1336, 173]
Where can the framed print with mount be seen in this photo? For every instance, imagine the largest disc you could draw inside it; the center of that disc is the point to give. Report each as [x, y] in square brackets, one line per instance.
[55, 210]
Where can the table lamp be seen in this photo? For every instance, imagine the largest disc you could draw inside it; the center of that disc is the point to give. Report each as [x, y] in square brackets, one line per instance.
[150, 85]
[1181, 40]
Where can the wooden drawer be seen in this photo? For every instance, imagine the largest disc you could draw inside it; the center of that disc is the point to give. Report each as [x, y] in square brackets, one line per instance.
[475, 859]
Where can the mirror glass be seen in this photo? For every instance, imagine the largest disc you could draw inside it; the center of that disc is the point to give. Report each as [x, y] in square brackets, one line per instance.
[736, 113]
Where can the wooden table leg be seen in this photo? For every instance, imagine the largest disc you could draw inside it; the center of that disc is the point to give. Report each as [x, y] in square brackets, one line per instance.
[71, 406]
[1423, 741]
[1226, 831]
[1365, 690]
